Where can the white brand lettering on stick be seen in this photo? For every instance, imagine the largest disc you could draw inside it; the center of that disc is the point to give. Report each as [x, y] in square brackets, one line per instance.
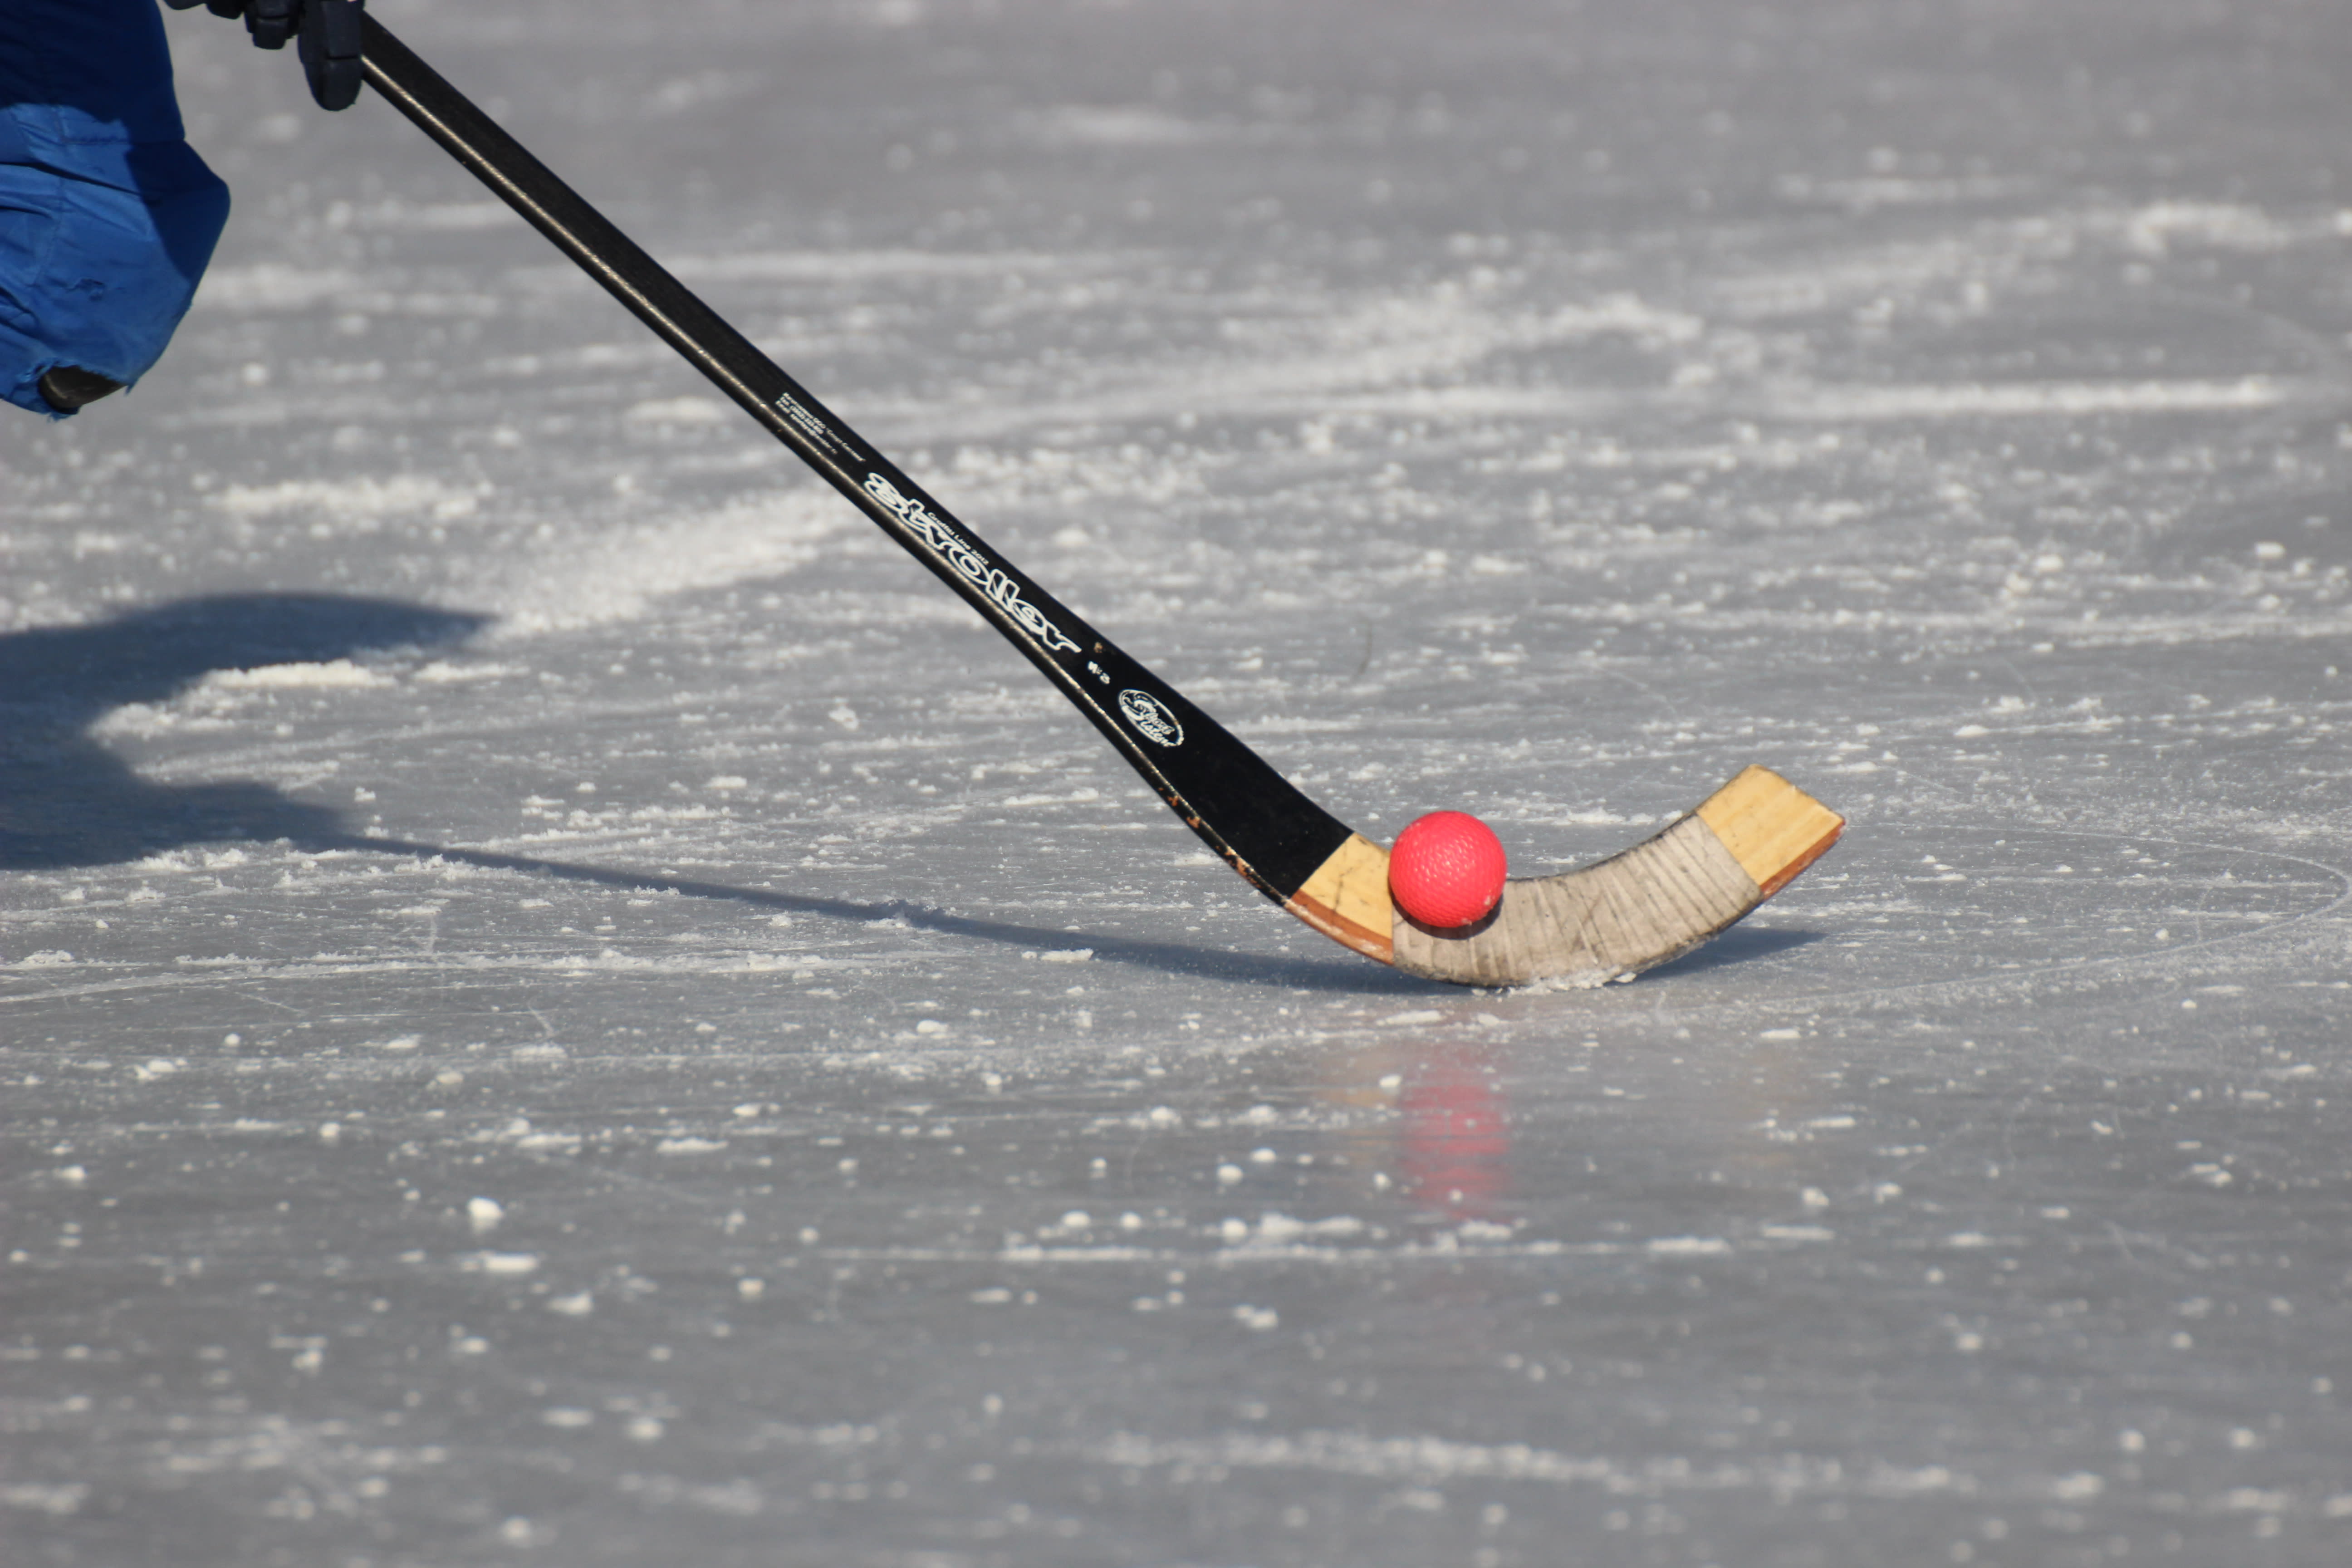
[810, 424]
[1150, 717]
[952, 548]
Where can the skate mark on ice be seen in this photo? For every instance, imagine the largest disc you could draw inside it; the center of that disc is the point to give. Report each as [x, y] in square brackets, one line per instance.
[1431, 1459]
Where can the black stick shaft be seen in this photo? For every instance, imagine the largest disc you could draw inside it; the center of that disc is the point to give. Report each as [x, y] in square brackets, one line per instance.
[1246, 811]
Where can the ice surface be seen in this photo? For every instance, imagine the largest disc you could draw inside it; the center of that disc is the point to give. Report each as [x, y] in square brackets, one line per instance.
[560, 1001]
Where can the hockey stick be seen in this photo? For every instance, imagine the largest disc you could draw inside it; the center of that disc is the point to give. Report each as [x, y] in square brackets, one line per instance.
[1608, 921]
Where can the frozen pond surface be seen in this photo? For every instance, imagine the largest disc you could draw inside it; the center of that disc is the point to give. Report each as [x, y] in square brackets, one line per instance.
[560, 1001]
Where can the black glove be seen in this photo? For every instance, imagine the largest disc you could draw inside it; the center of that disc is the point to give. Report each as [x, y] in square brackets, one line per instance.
[327, 34]
[69, 389]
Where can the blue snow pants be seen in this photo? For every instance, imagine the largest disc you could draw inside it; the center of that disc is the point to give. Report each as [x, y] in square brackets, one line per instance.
[107, 214]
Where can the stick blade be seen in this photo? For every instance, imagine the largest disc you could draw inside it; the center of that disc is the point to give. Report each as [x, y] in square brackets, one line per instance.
[1605, 922]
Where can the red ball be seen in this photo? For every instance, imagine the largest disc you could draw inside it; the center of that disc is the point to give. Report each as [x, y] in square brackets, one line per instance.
[1447, 870]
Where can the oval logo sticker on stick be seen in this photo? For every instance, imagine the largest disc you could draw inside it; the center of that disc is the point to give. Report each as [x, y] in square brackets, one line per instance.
[1150, 717]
